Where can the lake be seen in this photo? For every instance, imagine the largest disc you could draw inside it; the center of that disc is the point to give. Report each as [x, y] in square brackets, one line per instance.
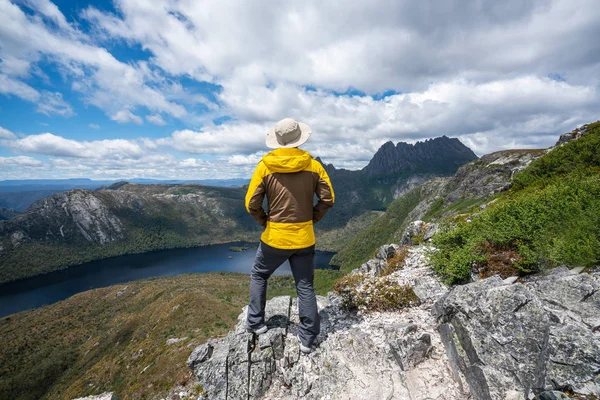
[59, 285]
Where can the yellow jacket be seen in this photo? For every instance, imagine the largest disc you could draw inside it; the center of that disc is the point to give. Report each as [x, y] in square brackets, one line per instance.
[290, 178]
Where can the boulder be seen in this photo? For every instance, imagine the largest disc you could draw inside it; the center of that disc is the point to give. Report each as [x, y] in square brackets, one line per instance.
[418, 232]
[532, 337]
[103, 396]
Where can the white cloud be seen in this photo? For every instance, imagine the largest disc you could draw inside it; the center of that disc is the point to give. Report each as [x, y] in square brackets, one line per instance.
[94, 126]
[49, 144]
[10, 86]
[6, 134]
[239, 159]
[156, 119]
[193, 163]
[19, 161]
[53, 103]
[221, 139]
[524, 112]
[126, 116]
[480, 74]
[372, 46]
[102, 79]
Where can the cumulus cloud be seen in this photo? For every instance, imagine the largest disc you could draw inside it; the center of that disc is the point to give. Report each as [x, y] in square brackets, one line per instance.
[156, 119]
[494, 74]
[104, 81]
[53, 103]
[53, 145]
[221, 139]
[126, 116]
[6, 134]
[20, 161]
[372, 46]
[10, 86]
[239, 159]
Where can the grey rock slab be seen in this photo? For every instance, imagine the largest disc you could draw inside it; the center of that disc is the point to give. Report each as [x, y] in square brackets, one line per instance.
[422, 230]
[209, 365]
[103, 396]
[498, 331]
[530, 337]
[386, 251]
[510, 280]
[553, 395]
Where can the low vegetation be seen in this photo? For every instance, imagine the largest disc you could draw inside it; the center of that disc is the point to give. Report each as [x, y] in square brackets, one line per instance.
[550, 217]
[335, 239]
[115, 338]
[368, 293]
[360, 248]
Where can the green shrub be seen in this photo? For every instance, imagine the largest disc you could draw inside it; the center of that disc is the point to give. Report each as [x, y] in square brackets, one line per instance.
[550, 226]
[550, 217]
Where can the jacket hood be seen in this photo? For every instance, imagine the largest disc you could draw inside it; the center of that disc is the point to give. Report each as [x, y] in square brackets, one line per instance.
[287, 160]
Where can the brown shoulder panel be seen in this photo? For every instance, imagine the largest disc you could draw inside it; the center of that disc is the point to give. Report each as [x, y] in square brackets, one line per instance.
[290, 196]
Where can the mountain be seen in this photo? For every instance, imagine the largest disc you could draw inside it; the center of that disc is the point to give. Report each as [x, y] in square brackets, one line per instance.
[439, 156]
[518, 235]
[8, 213]
[393, 171]
[73, 227]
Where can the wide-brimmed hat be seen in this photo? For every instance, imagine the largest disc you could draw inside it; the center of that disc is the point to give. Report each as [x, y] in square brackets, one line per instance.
[288, 133]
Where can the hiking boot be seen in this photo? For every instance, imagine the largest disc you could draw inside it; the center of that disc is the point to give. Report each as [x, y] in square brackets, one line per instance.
[257, 331]
[304, 349]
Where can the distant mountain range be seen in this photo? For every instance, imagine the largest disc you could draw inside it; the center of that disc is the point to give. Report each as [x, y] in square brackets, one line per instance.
[80, 225]
[20, 194]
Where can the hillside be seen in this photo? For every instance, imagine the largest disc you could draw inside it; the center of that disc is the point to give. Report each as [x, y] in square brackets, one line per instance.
[516, 232]
[408, 347]
[550, 217]
[8, 213]
[77, 226]
[538, 207]
[472, 185]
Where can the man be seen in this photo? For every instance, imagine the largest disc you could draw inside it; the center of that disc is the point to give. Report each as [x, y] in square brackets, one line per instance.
[290, 178]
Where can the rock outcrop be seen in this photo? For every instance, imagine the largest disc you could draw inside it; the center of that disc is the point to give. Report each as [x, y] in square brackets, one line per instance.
[358, 355]
[440, 156]
[489, 174]
[574, 134]
[491, 340]
[514, 341]
[103, 396]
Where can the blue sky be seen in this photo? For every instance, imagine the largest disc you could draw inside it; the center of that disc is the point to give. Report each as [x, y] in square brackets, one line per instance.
[172, 89]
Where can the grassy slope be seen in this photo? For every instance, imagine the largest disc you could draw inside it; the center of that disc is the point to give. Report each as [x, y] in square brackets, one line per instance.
[360, 248]
[550, 217]
[98, 341]
[335, 239]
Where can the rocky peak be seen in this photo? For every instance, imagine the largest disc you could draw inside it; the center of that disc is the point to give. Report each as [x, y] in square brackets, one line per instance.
[442, 155]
